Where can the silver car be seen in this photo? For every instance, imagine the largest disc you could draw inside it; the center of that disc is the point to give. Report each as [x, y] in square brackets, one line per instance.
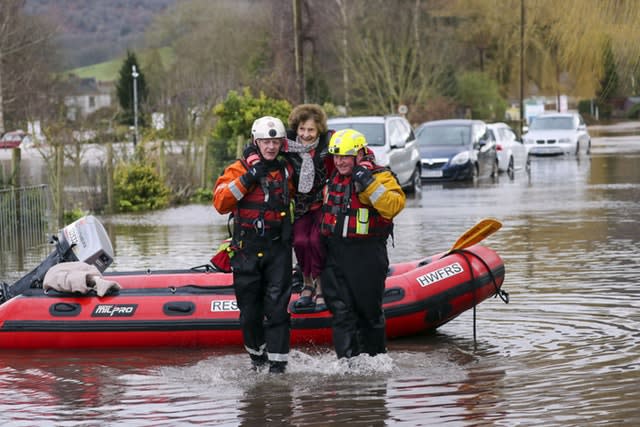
[557, 133]
[392, 140]
[511, 151]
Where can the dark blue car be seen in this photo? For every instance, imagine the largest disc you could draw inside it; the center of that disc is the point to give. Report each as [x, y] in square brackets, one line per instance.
[456, 150]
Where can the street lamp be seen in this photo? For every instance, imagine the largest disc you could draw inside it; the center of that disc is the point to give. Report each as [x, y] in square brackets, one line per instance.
[135, 74]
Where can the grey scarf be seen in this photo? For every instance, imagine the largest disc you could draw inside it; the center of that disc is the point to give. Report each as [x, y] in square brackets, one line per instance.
[307, 169]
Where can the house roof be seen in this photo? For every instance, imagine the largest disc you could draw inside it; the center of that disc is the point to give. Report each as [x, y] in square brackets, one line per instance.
[86, 86]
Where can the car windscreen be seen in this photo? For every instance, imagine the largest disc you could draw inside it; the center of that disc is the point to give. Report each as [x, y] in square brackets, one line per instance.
[443, 135]
[373, 132]
[565, 123]
[12, 136]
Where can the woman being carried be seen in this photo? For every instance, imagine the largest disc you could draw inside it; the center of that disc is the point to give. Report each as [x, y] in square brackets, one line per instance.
[308, 153]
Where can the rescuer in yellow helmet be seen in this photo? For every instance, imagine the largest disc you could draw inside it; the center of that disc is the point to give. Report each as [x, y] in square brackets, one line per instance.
[360, 201]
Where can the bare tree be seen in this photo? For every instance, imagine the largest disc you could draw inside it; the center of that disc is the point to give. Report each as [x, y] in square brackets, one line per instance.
[382, 51]
[563, 40]
[8, 11]
[24, 62]
[281, 81]
[374, 55]
[218, 46]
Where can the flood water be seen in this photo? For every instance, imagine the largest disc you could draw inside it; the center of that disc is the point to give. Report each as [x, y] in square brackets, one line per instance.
[565, 350]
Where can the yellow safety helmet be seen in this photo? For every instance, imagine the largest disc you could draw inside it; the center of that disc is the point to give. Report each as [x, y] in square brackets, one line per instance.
[347, 142]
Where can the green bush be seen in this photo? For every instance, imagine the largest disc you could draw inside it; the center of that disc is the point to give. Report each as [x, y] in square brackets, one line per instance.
[634, 112]
[584, 106]
[202, 195]
[481, 94]
[605, 110]
[237, 113]
[74, 214]
[138, 187]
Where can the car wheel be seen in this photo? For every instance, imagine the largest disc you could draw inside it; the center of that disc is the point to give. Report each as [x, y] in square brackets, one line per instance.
[578, 148]
[527, 165]
[511, 168]
[494, 170]
[589, 147]
[475, 172]
[415, 184]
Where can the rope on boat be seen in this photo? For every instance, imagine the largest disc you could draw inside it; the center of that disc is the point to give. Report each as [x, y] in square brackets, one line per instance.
[504, 295]
[207, 268]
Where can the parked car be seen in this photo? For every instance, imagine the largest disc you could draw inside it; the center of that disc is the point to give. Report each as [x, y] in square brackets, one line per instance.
[512, 153]
[557, 133]
[393, 142]
[12, 139]
[456, 150]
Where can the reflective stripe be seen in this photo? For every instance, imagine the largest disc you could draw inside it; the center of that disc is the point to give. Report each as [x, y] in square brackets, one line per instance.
[377, 193]
[345, 226]
[362, 221]
[278, 357]
[345, 215]
[235, 191]
[258, 352]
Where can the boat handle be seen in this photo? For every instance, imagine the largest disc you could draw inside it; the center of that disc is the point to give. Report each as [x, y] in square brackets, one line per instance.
[64, 309]
[179, 308]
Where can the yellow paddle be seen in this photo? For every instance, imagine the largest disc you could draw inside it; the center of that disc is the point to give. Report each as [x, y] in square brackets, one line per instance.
[477, 233]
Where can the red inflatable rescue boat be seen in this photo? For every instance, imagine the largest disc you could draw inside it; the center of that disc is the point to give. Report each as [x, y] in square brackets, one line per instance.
[197, 307]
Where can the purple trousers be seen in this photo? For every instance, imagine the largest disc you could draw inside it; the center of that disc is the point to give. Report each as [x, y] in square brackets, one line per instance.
[307, 244]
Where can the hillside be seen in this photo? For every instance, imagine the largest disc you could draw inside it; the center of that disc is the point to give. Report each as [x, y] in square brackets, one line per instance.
[108, 70]
[95, 31]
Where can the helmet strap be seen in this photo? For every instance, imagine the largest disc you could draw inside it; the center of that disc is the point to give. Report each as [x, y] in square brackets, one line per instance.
[255, 142]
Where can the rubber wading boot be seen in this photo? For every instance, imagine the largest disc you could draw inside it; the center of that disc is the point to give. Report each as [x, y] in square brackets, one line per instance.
[277, 367]
[257, 362]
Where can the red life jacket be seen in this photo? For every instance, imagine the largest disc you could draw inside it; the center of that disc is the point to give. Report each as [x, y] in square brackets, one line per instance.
[341, 205]
[263, 210]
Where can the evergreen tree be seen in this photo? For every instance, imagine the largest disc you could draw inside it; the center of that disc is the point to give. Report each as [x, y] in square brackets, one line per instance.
[124, 90]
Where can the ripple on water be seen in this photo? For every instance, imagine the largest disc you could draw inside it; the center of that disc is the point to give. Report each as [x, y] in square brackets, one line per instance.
[564, 351]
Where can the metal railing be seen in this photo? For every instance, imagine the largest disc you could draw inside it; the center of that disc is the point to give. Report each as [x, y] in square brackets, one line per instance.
[25, 217]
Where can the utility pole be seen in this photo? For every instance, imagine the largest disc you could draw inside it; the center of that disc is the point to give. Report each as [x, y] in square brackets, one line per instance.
[345, 67]
[521, 67]
[299, 55]
[135, 74]
[1, 100]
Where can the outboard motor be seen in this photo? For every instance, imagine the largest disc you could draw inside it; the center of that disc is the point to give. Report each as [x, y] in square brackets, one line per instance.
[84, 240]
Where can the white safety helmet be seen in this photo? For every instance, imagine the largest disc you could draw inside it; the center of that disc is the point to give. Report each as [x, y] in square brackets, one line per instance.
[268, 127]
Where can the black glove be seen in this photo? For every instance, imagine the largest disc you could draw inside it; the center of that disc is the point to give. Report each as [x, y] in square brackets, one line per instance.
[362, 177]
[253, 175]
[251, 154]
